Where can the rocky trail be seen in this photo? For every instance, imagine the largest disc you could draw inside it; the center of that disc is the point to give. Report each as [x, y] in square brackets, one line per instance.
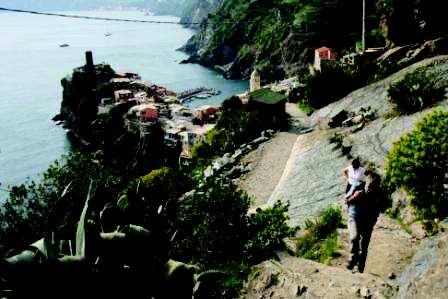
[390, 250]
[303, 169]
[268, 161]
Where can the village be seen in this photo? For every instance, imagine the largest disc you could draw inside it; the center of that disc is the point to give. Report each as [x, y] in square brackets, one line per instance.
[183, 126]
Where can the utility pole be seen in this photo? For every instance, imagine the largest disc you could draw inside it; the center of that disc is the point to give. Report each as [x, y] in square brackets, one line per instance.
[363, 26]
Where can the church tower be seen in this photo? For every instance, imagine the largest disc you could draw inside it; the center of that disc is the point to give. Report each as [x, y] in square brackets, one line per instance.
[255, 80]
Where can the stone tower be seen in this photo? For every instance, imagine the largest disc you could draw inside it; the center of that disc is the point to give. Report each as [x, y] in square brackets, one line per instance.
[255, 80]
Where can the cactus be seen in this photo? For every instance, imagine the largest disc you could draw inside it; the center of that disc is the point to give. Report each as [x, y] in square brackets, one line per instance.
[81, 230]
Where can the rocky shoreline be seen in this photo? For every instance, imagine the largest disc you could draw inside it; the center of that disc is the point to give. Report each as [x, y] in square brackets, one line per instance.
[140, 105]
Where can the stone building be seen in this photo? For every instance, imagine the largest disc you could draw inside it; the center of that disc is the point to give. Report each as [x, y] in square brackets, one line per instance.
[255, 81]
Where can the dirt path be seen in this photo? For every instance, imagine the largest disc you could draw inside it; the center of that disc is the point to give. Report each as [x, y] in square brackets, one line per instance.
[390, 249]
[293, 277]
[268, 162]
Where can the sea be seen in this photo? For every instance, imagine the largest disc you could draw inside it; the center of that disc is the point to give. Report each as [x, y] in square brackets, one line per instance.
[32, 63]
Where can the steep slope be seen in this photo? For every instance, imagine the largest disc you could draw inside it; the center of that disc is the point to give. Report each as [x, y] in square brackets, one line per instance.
[279, 36]
[274, 35]
[402, 263]
[312, 179]
[426, 275]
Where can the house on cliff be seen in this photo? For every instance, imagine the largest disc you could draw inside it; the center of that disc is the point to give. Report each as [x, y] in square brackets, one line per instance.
[206, 113]
[323, 54]
[146, 112]
[123, 95]
[269, 104]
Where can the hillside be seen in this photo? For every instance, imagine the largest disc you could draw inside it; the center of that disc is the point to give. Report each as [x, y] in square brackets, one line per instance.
[403, 262]
[279, 37]
[195, 11]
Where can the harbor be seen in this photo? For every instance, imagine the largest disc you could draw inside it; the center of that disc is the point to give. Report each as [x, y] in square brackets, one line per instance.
[197, 93]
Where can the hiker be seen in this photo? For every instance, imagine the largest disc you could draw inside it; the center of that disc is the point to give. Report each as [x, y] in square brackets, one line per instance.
[354, 174]
[363, 210]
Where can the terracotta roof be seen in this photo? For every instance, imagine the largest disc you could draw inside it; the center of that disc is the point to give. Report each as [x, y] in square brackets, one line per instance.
[323, 49]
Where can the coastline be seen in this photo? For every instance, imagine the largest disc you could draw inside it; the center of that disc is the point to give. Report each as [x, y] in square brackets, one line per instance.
[31, 141]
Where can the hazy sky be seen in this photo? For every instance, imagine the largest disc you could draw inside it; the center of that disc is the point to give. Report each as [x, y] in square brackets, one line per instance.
[65, 4]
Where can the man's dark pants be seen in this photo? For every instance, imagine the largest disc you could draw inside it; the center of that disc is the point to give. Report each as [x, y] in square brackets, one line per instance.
[360, 225]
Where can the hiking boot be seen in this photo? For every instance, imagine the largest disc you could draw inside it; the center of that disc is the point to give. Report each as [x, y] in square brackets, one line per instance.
[360, 268]
[350, 265]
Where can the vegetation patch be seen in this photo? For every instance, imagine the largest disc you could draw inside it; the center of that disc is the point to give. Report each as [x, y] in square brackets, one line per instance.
[236, 126]
[208, 227]
[416, 91]
[333, 82]
[320, 241]
[338, 139]
[214, 231]
[305, 107]
[418, 162]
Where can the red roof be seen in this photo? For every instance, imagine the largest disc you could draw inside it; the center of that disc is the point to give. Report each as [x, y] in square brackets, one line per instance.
[323, 49]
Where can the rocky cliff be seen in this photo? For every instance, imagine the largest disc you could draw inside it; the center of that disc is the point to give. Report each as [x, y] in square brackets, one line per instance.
[196, 11]
[279, 37]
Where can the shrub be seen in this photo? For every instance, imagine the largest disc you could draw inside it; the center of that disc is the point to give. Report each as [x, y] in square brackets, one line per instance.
[235, 127]
[212, 225]
[144, 196]
[214, 231]
[418, 162]
[266, 231]
[332, 83]
[320, 240]
[326, 224]
[416, 91]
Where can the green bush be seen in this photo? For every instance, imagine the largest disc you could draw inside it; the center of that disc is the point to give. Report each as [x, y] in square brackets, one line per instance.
[214, 231]
[153, 193]
[418, 162]
[266, 230]
[320, 241]
[329, 85]
[212, 225]
[235, 127]
[416, 91]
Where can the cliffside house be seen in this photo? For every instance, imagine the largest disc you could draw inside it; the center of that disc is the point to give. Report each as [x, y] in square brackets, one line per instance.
[146, 112]
[120, 83]
[123, 95]
[141, 97]
[322, 54]
[172, 137]
[255, 80]
[189, 137]
[271, 105]
[206, 113]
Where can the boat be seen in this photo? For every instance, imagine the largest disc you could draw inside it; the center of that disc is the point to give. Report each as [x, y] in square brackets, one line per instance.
[202, 96]
[64, 45]
[108, 34]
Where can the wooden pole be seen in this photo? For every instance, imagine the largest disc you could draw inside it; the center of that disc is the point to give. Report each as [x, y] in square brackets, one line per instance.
[363, 26]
